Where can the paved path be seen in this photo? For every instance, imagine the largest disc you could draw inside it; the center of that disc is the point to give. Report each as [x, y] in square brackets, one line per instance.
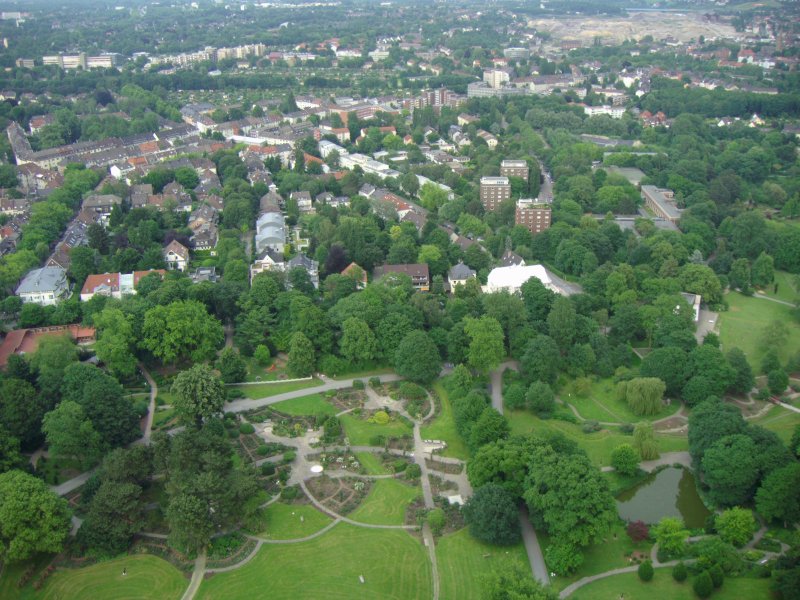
[763, 297]
[328, 511]
[197, 576]
[789, 407]
[532, 547]
[73, 484]
[330, 384]
[151, 409]
[667, 458]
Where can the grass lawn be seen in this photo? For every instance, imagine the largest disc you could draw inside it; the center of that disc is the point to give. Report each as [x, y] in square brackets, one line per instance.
[165, 397]
[359, 431]
[282, 521]
[664, 587]
[597, 445]
[780, 420]
[604, 406]
[462, 559]
[604, 556]
[443, 427]
[786, 288]
[742, 326]
[393, 563]
[371, 463]
[160, 417]
[386, 503]
[311, 405]
[264, 390]
[147, 577]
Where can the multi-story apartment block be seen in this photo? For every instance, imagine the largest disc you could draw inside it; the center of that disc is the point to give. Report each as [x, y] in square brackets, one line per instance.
[514, 168]
[493, 191]
[533, 215]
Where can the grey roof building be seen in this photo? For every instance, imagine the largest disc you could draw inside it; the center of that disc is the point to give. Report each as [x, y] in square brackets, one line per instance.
[44, 286]
[310, 265]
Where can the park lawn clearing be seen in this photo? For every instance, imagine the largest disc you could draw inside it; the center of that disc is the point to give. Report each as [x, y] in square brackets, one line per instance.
[742, 326]
[603, 405]
[461, 559]
[443, 427]
[265, 390]
[147, 577]
[371, 463]
[282, 521]
[597, 445]
[609, 553]
[360, 431]
[393, 563]
[786, 288]
[386, 503]
[780, 420]
[311, 405]
[664, 587]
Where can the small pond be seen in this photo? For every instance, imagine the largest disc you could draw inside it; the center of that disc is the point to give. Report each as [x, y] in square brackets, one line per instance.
[669, 493]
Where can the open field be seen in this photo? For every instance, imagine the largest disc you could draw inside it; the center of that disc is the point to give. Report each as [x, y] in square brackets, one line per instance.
[742, 325]
[282, 521]
[147, 577]
[359, 431]
[311, 405]
[664, 587]
[603, 405]
[443, 427]
[386, 503]
[393, 563]
[462, 559]
[786, 287]
[265, 390]
[780, 420]
[597, 445]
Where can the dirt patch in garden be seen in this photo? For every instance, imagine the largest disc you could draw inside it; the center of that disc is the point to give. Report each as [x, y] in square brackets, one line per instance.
[347, 399]
[444, 467]
[342, 495]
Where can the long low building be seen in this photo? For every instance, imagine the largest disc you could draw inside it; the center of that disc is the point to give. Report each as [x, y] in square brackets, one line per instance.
[115, 285]
[660, 201]
[511, 279]
[25, 341]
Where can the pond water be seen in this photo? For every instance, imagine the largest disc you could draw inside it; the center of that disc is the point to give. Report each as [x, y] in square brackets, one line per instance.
[668, 493]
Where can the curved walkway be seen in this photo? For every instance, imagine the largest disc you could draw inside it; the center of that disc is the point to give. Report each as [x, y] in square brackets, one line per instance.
[307, 538]
[151, 409]
[197, 576]
[320, 506]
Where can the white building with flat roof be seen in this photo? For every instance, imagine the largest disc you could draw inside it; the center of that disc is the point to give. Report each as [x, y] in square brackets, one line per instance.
[510, 279]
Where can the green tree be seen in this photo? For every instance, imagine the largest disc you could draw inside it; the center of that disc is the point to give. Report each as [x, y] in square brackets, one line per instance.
[492, 516]
[490, 427]
[540, 398]
[644, 441]
[199, 394]
[735, 526]
[777, 381]
[115, 343]
[358, 344]
[645, 571]
[10, 456]
[709, 422]
[625, 459]
[778, 498]
[231, 366]
[70, 434]
[53, 355]
[486, 348]
[33, 519]
[643, 394]
[541, 359]
[509, 580]
[431, 196]
[115, 515]
[740, 276]
[181, 330]
[21, 411]
[562, 323]
[743, 380]
[679, 572]
[301, 356]
[417, 358]
[703, 585]
[670, 534]
[669, 365]
[731, 470]
[763, 271]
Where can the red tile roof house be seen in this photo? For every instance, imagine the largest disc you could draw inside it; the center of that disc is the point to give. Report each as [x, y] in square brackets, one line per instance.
[115, 285]
[25, 341]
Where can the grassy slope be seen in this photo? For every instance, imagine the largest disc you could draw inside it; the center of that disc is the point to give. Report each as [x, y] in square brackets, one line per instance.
[443, 427]
[780, 420]
[741, 327]
[386, 503]
[371, 463]
[311, 405]
[393, 563]
[266, 390]
[147, 577]
[282, 521]
[603, 405]
[598, 445]
[462, 559]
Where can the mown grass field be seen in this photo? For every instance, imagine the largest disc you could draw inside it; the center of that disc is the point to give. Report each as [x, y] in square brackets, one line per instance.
[603, 405]
[443, 427]
[786, 287]
[148, 577]
[780, 420]
[742, 326]
[386, 503]
[371, 463]
[462, 559]
[597, 445]
[360, 432]
[311, 405]
[283, 521]
[393, 563]
[664, 587]
[265, 390]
